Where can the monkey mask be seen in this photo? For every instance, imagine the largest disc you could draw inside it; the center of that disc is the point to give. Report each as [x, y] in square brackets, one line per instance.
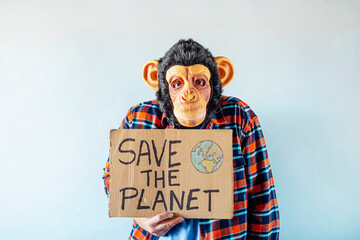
[188, 81]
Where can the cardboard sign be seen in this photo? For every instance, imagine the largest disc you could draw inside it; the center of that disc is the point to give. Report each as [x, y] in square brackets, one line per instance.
[187, 172]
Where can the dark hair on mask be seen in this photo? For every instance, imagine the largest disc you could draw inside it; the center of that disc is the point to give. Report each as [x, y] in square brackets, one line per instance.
[188, 53]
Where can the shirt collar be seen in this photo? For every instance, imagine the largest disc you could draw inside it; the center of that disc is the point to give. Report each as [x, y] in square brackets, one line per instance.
[166, 122]
[217, 119]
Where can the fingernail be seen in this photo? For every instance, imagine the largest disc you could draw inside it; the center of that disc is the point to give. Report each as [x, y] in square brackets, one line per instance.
[181, 219]
[171, 215]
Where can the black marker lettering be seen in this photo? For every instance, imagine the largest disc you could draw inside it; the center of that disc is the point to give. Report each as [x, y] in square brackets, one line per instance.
[160, 178]
[125, 151]
[147, 176]
[173, 196]
[173, 153]
[127, 197]
[191, 198]
[158, 161]
[210, 191]
[140, 200]
[171, 177]
[143, 153]
[159, 193]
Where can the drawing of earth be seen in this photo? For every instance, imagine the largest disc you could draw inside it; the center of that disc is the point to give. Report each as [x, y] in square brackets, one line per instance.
[207, 156]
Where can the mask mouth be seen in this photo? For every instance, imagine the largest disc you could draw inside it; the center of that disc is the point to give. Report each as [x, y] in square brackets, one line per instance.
[191, 118]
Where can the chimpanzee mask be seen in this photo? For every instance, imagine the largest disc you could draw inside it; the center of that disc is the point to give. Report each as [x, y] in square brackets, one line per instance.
[188, 81]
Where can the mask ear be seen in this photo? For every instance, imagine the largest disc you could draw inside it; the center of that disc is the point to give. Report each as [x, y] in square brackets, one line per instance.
[150, 73]
[226, 70]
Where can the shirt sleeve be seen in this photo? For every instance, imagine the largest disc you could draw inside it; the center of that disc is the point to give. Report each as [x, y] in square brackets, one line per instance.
[263, 212]
[106, 176]
[137, 233]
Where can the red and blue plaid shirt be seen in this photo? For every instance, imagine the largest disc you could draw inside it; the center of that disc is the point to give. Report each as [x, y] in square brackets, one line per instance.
[256, 213]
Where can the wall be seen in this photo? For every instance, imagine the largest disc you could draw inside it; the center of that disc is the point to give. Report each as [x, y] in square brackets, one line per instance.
[69, 71]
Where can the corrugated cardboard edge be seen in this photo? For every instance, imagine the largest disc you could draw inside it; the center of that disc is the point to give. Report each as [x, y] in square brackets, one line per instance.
[229, 131]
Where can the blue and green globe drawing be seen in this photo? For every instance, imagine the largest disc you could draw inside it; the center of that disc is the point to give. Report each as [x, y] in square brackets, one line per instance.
[207, 156]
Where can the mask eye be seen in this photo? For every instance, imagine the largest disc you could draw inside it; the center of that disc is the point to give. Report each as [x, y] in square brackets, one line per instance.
[200, 82]
[176, 84]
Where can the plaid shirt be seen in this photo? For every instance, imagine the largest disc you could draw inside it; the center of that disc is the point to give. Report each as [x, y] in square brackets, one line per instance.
[256, 213]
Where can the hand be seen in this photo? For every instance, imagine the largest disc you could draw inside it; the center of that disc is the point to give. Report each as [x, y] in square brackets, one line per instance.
[160, 224]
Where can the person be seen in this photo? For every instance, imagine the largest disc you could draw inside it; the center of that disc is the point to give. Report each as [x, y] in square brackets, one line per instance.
[189, 81]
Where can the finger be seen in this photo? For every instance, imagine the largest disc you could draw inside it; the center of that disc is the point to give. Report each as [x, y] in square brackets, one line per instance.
[140, 220]
[161, 217]
[168, 224]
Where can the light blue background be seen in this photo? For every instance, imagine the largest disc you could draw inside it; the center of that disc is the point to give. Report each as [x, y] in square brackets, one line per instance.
[69, 71]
